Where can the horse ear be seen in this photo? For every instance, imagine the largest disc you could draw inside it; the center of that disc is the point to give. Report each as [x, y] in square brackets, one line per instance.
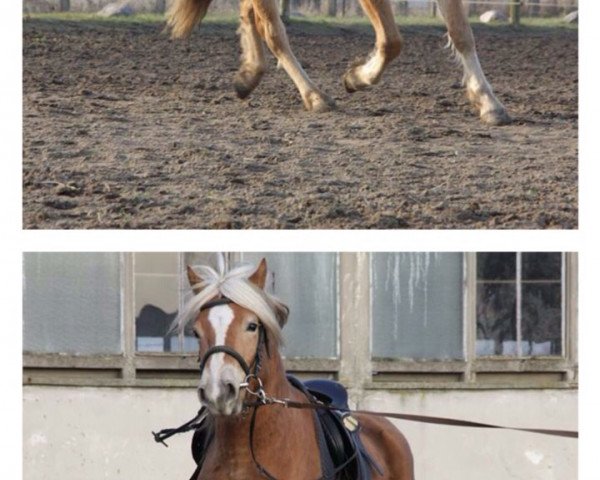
[282, 311]
[259, 277]
[194, 280]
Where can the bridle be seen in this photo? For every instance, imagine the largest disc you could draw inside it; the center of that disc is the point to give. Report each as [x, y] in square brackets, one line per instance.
[251, 371]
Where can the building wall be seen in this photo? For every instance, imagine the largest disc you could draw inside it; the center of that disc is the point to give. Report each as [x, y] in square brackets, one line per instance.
[74, 433]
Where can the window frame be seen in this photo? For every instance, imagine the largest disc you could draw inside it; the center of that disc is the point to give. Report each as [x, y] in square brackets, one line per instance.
[353, 366]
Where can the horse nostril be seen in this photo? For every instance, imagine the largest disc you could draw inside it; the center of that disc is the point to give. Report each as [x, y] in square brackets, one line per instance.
[201, 394]
[231, 390]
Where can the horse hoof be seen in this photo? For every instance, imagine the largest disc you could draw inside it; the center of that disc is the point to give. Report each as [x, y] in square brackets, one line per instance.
[318, 102]
[242, 90]
[245, 82]
[352, 83]
[496, 118]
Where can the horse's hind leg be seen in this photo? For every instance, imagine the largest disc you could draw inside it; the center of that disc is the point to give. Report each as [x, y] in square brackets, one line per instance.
[479, 90]
[388, 44]
[183, 15]
[253, 56]
[270, 27]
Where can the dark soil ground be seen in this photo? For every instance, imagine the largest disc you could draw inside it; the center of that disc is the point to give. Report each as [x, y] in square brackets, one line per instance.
[124, 128]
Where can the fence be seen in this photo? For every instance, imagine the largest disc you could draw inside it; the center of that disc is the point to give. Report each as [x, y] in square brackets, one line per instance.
[513, 9]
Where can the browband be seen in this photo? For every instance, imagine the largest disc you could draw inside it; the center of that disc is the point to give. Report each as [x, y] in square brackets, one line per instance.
[216, 302]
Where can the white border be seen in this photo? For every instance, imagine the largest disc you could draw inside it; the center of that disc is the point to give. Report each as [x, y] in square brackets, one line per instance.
[586, 241]
[299, 241]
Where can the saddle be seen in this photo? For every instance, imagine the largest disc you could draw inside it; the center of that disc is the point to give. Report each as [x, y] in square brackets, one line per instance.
[342, 453]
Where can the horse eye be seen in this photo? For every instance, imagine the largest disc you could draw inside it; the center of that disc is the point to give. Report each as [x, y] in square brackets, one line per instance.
[252, 327]
[196, 335]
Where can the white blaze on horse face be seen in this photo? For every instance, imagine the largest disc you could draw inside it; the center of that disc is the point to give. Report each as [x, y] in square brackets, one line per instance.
[220, 318]
[220, 380]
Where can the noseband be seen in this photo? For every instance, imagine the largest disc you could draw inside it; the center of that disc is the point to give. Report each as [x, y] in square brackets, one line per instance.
[262, 340]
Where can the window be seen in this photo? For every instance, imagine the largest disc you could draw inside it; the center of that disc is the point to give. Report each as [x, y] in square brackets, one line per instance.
[417, 305]
[72, 303]
[156, 284]
[484, 319]
[161, 287]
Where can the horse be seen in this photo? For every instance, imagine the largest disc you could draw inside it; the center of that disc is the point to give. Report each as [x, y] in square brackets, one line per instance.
[239, 329]
[260, 21]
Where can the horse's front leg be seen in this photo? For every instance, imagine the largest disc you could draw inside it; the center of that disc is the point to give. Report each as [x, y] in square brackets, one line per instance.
[271, 29]
[388, 44]
[479, 90]
[253, 62]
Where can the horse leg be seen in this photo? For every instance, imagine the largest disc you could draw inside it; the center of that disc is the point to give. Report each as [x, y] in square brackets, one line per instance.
[183, 15]
[479, 91]
[271, 29]
[388, 44]
[253, 63]
[388, 447]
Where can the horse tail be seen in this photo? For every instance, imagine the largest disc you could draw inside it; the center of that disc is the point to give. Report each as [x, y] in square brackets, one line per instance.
[183, 15]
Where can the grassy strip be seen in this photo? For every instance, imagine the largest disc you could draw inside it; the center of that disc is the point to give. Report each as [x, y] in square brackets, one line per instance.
[314, 21]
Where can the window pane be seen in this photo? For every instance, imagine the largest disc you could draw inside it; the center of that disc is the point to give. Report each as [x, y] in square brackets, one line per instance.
[157, 298]
[417, 305]
[541, 266]
[541, 321]
[496, 319]
[496, 266]
[307, 284]
[71, 303]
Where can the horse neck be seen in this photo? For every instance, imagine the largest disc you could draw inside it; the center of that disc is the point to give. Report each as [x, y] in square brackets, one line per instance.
[272, 375]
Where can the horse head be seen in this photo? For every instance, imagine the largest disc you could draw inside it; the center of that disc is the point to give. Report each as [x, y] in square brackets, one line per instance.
[237, 323]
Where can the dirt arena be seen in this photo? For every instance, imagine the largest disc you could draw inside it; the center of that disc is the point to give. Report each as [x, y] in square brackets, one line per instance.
[124, 128]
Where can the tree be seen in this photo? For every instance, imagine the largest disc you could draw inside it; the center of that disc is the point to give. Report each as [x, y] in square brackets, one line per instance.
[332, 8]
[161, 6]
[285, 10]
[534, 8]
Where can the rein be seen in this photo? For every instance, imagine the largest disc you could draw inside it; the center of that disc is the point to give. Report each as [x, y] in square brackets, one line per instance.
[411, 417]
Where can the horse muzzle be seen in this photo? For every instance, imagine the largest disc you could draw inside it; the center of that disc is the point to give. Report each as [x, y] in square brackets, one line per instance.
[222, 395]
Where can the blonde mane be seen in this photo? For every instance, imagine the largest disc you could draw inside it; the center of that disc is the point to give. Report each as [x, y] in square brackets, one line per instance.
[235, 285]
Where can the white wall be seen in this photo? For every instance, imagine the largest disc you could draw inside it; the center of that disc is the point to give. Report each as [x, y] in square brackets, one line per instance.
[75, 433]
[450, 453]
